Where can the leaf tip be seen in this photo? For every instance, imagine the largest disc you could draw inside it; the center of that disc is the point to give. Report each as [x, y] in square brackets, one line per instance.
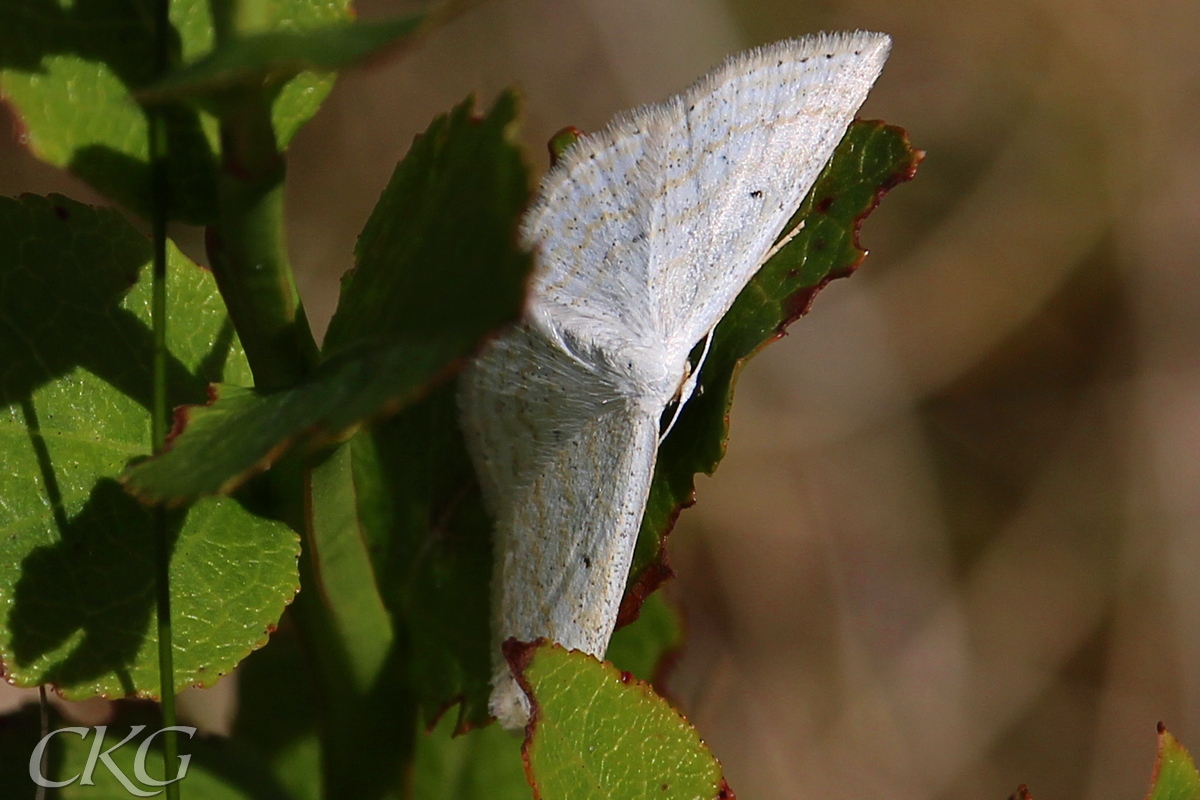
[1022, 793]
[560, 142]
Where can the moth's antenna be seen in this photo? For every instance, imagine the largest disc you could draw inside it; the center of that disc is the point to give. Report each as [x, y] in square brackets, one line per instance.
[782, 243]
[688, 387]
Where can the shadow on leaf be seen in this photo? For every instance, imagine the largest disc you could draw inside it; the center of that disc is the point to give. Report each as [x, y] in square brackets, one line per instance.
[87, 601]
[65, 44]
[78, 551]
[58, 313]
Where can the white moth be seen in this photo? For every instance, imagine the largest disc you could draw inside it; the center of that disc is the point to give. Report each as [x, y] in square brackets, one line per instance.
[644, 235]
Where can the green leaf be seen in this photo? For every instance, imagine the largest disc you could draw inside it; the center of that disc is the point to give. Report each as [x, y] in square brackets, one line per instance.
[342, 568]
[217, 770]
[871, 159]
[216, 447]
[647, 646]
[422, 513]
[423, 295]
[596, 733]
[70, 70]
[438, 258]
[278, 56]
[77, 557]
[1175, 776]
[482, 764]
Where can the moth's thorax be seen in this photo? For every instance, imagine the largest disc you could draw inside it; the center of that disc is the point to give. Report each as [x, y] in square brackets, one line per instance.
[647, 371]
[650, 379]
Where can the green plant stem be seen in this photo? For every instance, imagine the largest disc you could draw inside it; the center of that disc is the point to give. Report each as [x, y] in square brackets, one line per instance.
[248, 254]
[166, 659]
[159, 412]
[159, 415]
[44, 720]
[247, 248]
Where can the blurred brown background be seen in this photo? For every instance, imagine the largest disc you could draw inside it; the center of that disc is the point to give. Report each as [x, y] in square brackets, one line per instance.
[954, 544]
